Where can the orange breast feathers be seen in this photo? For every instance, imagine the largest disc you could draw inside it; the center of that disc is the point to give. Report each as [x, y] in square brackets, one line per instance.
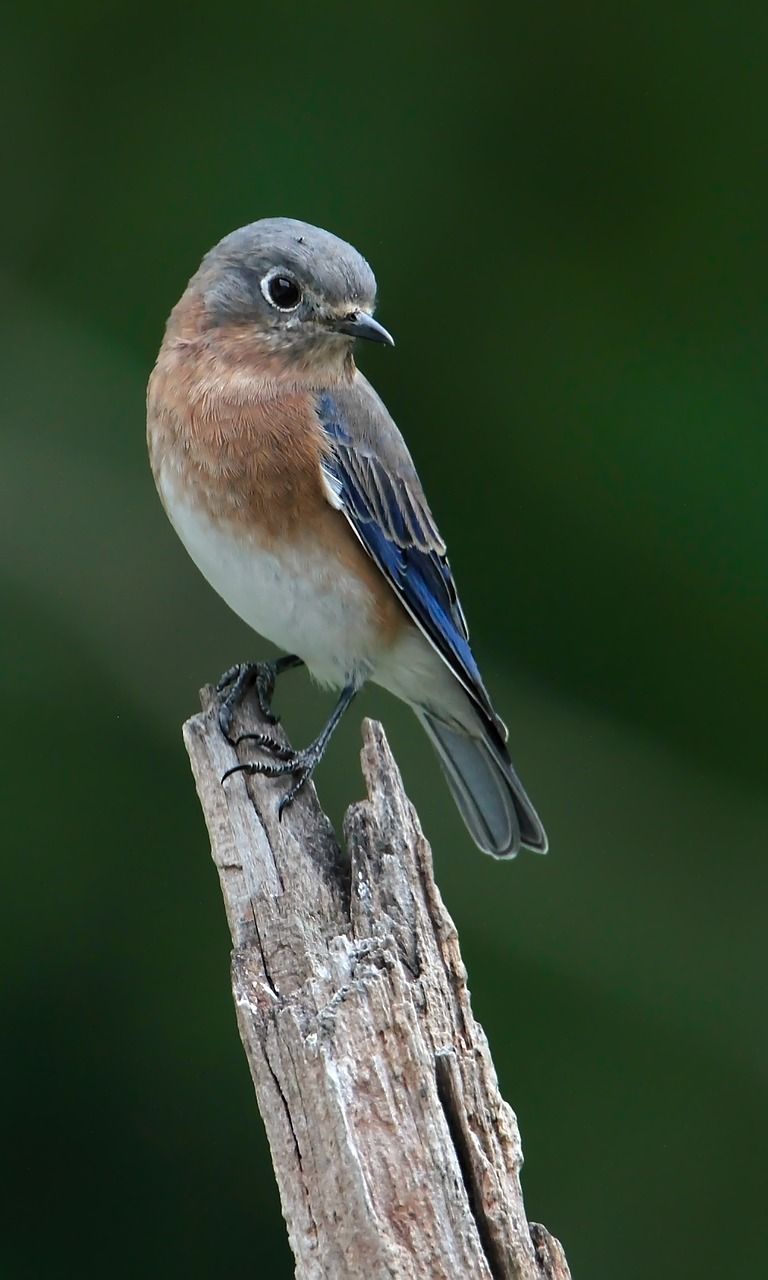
[247, 450]
[244, 446]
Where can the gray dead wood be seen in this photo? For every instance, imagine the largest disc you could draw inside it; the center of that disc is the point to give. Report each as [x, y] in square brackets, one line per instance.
[395, 1154]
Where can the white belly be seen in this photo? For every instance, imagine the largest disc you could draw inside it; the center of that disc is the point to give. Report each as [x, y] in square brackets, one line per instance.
[298, 599]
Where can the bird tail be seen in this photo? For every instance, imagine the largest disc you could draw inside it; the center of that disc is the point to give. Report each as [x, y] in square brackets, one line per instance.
[490, 797]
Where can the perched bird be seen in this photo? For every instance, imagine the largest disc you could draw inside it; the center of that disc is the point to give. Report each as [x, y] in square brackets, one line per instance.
[295, 495]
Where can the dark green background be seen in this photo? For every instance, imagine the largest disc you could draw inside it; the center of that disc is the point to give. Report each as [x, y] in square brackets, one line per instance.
[566, 210]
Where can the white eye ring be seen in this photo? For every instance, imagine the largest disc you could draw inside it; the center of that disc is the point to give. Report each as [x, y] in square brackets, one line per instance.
[281, 289]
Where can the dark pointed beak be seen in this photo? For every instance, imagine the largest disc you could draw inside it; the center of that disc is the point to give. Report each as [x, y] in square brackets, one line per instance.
[360, 325]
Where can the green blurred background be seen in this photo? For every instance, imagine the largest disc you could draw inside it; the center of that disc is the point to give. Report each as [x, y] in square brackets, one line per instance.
[566, 211]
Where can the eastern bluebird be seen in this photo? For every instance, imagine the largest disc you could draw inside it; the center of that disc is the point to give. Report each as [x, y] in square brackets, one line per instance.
[294, 493]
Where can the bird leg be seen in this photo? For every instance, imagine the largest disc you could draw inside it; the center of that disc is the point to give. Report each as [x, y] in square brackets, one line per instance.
[236, 682]
[300, 763]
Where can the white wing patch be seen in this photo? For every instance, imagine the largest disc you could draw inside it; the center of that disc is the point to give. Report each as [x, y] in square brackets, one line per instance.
[331, 487]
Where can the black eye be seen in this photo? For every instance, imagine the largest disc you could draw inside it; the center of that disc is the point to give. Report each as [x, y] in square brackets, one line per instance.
[282, 291]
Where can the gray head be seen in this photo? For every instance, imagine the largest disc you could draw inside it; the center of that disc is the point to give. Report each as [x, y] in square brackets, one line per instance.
[301, 289]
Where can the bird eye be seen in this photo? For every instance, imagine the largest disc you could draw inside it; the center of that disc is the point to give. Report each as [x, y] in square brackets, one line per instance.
[281, 291]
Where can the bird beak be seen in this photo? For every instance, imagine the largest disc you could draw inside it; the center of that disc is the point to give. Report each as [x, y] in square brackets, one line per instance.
[360, 325]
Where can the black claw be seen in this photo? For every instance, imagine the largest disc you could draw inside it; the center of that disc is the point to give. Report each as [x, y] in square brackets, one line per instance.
[264, 767]
[292, 792]
[225, 722]
[265, 688]
[229, 675]
[305, 764]
[236, 768]
[236, 682]
[266, 743]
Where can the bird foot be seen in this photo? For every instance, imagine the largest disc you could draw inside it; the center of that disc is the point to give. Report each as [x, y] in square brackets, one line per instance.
[301, 764]
[235, 684]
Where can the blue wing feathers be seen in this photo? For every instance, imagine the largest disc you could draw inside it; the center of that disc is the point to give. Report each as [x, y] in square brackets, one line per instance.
[399, 534]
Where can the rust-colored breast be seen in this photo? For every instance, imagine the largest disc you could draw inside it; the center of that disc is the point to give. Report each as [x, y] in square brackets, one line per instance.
[246, 449]
[241, 450]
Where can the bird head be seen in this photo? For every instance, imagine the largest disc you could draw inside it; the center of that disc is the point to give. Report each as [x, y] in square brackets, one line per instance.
[296, 293]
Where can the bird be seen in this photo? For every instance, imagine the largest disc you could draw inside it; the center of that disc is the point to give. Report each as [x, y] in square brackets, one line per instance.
[294, 493]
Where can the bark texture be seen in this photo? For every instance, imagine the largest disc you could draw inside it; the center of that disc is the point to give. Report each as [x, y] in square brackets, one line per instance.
[395, 1154]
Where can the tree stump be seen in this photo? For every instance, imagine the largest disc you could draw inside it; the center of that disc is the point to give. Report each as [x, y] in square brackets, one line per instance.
[395, 1154]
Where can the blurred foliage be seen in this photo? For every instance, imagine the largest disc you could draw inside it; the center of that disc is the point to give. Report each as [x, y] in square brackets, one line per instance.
[566, 212]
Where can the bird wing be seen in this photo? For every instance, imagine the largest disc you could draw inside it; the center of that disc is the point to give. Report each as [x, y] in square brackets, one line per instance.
[370, 477]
